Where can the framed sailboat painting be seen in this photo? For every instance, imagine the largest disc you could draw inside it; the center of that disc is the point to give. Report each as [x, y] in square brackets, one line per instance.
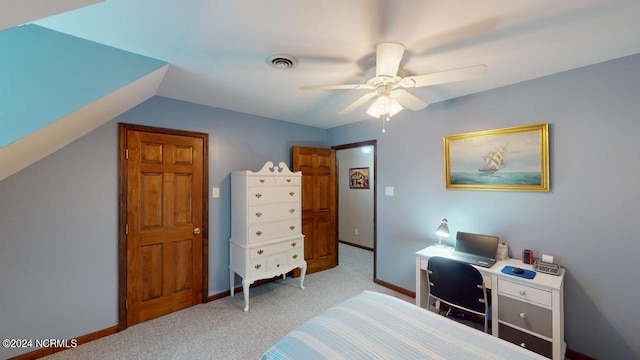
[515, 159]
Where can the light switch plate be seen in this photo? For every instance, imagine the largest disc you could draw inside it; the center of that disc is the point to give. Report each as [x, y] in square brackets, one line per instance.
[388, 191]
[215, 193]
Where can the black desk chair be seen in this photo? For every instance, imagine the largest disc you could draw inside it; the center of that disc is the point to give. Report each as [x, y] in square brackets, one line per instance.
[458, 285]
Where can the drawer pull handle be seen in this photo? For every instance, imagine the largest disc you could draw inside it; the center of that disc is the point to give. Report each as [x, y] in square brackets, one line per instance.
[258, 214]
[523, 315]
[258, 266]
[258, 195]
[291, 193]
[291, 227]
[522, 292]
[295, 256]
[523, 345]
[262, 181]
[293, 244]
[260, 252]
[288, 180]
[292, 210]
[258, 232]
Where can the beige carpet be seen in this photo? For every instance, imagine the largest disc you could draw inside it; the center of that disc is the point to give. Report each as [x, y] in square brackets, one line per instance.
[221, 330]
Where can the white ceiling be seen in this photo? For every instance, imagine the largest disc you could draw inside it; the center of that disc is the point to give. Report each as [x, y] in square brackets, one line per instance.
[217, 48]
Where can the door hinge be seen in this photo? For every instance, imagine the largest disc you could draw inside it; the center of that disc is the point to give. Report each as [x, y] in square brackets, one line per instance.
[126, 304]
[126, 154]
[126, 229]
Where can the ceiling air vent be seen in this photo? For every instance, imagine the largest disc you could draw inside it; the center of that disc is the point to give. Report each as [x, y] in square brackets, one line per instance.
[282, 62]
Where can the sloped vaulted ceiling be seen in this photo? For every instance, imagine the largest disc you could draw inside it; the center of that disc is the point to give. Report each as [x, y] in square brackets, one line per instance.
[55, 88]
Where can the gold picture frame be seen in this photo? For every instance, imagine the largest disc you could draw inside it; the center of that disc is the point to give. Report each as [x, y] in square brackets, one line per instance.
[512, 159]
[359, 178]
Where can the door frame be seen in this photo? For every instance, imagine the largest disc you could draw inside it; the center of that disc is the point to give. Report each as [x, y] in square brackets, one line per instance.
[122, 211]
[374, 144]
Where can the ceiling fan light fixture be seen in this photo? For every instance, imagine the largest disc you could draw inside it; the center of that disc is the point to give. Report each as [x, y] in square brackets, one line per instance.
[384, 105]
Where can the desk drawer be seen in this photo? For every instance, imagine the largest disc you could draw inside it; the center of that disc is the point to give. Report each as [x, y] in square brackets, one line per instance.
[525, 315]
[527, 341]
[524, 292]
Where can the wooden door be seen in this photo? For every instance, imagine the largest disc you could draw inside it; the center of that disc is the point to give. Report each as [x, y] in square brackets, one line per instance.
[319, 211]
[165, 225]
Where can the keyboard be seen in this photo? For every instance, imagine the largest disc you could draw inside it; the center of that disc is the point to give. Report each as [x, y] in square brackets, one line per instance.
[472, 259]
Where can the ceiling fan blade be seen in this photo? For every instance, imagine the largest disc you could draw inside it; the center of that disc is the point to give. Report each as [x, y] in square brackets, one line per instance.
[363, 99]
[447, 76]
[408, 100]
[336, 87]
[388, 57]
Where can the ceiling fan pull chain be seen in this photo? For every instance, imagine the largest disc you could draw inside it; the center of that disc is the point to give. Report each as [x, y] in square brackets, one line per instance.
[383, 122]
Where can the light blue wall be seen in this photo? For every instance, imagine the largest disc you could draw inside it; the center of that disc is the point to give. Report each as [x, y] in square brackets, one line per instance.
[588, 220]
[36, 88]
[59, 217]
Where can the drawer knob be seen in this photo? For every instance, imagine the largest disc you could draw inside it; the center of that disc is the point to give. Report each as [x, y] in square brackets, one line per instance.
[291, 227]
[258, 266]
[523, 345]
[258, 232]
[291, 193]
[262, 181]
[288, 180]
[522, 292]
[260, 252]
[295, 256]
[258, 195]
[523, 315]
[293, 244]
[292, 210]
[258, 214]
[278, 265]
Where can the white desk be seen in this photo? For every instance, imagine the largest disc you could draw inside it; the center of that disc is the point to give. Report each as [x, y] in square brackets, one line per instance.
[529, 313]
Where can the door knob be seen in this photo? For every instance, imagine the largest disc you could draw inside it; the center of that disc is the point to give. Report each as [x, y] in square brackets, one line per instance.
[196, 231]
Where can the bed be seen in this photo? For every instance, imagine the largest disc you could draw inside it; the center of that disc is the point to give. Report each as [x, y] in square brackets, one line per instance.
[377, 326]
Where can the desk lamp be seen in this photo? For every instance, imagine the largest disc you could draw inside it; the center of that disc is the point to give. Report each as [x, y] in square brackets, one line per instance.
[442, 230]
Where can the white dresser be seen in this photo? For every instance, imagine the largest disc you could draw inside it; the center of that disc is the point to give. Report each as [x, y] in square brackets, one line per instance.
[266, 225]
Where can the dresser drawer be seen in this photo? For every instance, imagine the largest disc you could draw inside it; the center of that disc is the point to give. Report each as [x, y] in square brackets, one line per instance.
[288, 180]
[274, 262]
[295, 256]
[273, 212]
[265, 195]
[258, 266]
[266, 251]
[274, 230]
[525, 315]
[261, 180]
[527, 341]
[524, 292]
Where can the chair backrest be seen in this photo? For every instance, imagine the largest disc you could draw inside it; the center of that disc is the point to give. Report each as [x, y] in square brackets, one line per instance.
[457, 283]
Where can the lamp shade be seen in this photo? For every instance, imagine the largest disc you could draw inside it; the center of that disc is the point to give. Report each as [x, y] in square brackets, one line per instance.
[443, 229]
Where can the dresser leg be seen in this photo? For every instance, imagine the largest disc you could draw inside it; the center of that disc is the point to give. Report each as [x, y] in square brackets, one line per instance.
[302, 272]
[245, 290]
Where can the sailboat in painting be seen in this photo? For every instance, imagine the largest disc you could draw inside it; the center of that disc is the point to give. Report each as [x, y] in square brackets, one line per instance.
[494, 160]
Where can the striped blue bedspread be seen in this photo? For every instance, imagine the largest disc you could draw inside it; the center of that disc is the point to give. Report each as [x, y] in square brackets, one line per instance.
[378, 326]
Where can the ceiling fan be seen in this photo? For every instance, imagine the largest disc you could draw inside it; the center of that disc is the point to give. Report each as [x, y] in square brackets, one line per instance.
[388, 83]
